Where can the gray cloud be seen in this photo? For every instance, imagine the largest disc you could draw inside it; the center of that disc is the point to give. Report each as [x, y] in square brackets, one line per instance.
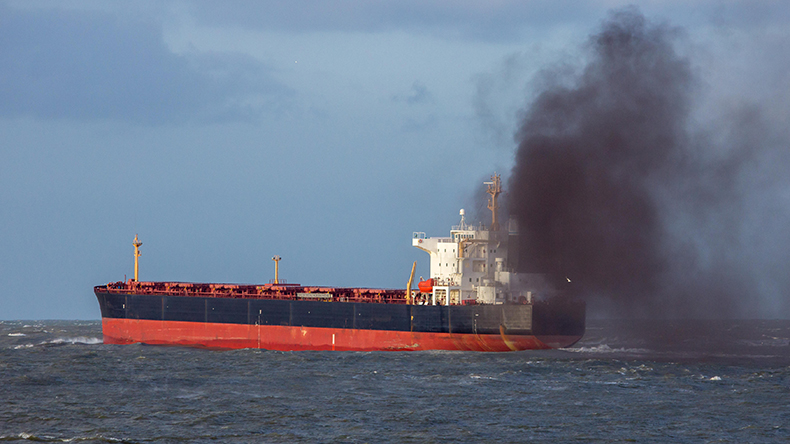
[418, 93]
[59, 64]
[498, 97]
[508, 20]
[467, 20]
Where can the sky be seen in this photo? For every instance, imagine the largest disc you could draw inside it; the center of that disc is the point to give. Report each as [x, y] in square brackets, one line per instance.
[323, 132]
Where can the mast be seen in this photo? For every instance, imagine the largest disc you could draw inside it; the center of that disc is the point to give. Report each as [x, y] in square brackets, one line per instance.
[408, 286]
[276, 260]
[137, 245]
[494, 189]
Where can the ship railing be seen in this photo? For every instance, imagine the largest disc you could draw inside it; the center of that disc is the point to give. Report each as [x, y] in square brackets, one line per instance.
[284, 292]
[444, 282]
[467, 227]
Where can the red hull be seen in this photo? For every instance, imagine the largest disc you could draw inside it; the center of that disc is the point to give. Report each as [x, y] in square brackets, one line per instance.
[285, 338]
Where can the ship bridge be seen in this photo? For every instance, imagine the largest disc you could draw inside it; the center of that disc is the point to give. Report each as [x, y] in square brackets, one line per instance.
[471, 266]
[464, 266]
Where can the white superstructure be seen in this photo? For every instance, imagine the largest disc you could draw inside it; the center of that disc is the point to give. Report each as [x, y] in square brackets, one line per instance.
[472, 264]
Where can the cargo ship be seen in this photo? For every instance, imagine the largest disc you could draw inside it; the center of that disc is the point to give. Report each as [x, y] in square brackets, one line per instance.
[473, 300]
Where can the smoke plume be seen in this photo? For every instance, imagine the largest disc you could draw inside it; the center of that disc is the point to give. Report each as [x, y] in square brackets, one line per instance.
[618, 189]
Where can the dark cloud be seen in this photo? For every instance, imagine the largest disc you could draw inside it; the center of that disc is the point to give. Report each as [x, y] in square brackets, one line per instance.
[618, 187]
[89, 65]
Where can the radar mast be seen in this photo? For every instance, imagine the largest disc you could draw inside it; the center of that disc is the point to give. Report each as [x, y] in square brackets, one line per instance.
[494, 189]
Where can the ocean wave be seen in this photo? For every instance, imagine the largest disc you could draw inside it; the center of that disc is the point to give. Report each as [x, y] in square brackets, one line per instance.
[473, 376]
[43, 438]
[16, 334]
[768, 342]
[603, 348]
[77, 340]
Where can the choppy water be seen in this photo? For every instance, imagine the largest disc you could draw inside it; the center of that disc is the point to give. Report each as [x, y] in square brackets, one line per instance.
[711, 381]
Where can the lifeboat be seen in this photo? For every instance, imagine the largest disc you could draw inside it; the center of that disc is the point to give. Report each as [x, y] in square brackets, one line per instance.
[425, 286]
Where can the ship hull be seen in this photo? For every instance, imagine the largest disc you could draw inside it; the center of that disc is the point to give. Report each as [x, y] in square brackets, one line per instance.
[232, 323]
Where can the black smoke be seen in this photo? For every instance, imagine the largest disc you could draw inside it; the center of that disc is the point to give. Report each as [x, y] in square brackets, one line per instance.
[617, 188]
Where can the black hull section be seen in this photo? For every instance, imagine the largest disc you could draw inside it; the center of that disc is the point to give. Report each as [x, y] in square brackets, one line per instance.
[558, 318]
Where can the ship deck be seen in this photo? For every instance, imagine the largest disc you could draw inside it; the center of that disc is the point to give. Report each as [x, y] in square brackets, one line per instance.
[280, 291]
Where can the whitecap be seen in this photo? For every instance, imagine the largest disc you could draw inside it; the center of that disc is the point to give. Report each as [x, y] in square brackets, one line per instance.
[489, 378]
[78, 340]
[603, 348]
[17, 334]
[768, 342]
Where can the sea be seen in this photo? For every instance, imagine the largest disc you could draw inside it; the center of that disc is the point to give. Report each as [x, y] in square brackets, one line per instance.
[626, 381]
